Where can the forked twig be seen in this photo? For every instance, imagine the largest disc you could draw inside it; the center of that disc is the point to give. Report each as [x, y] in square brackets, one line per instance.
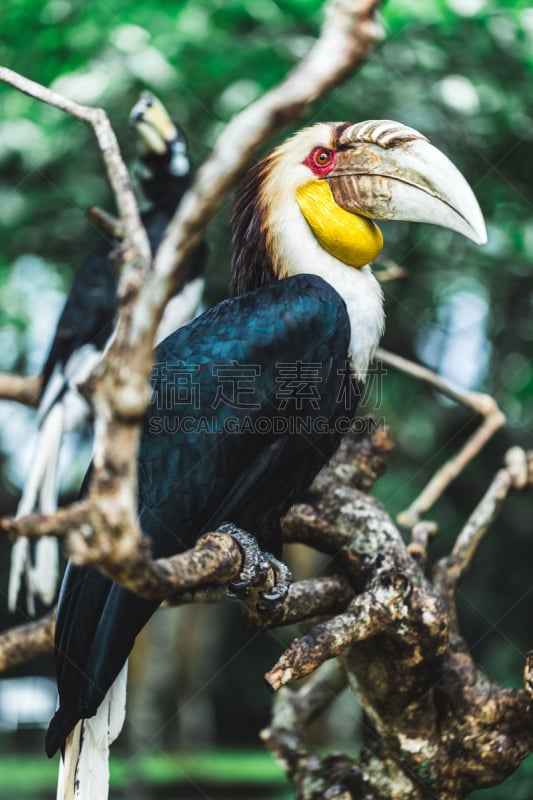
[105, 221]
[482, 404]
[515, 475]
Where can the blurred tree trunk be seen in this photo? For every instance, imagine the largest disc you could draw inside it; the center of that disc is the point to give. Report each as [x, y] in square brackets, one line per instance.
[170, 693]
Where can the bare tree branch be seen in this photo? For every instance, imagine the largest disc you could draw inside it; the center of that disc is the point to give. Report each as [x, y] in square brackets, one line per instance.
[59, 524]
[435, 725]
[307, 599]
[215, 556]
[482, 404]
[105, 221]
[26, 642]
[20, 390]
[285, 736]
[516, 474]
[364, 619]
[421, 535]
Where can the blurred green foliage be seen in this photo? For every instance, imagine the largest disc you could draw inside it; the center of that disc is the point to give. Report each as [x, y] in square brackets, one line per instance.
[459, 70]
[213, 774]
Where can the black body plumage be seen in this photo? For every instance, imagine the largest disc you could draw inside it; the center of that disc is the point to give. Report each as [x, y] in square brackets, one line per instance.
[90, 308]
[87, 317]
[203, 461]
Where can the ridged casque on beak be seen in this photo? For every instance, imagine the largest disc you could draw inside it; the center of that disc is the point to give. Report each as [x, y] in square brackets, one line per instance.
[388, 171]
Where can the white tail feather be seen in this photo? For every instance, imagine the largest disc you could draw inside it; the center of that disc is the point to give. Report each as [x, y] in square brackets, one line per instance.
[67, 766]
[53, 425]
[40, 491]
[84, 770]
[34, 481]
[45, 574]
[20, 560]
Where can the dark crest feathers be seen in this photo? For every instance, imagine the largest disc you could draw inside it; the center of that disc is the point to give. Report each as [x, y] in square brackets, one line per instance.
[251, 265]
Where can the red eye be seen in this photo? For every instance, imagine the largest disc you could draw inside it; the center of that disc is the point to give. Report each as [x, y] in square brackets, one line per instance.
[321, 160]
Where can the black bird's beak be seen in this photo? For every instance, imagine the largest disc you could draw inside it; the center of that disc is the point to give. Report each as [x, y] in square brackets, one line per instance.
[387, 171]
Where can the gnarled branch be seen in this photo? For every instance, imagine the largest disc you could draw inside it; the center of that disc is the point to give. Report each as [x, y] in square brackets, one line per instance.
[435, 726]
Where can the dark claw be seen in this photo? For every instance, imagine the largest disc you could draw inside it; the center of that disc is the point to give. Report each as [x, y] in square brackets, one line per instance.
[239, 586]
[272, 597]
[273, 600]
[256, 564]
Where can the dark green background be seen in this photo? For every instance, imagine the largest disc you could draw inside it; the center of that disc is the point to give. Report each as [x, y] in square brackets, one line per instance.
[459, 71]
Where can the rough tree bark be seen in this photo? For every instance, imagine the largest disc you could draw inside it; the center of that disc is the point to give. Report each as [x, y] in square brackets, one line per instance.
[434, 725]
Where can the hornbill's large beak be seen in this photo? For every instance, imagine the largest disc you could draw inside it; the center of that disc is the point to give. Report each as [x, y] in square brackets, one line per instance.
[159, 134]
[387, 171]
[150, 118]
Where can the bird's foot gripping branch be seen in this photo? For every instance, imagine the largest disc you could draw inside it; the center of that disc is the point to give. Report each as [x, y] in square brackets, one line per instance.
[258, 567]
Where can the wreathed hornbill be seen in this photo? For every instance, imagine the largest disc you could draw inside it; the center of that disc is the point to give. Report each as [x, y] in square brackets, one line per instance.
[83, 332]
[306, 304]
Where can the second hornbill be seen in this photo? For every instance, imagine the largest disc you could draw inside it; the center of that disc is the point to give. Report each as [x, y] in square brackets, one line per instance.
[273, 376]
[84, 329]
